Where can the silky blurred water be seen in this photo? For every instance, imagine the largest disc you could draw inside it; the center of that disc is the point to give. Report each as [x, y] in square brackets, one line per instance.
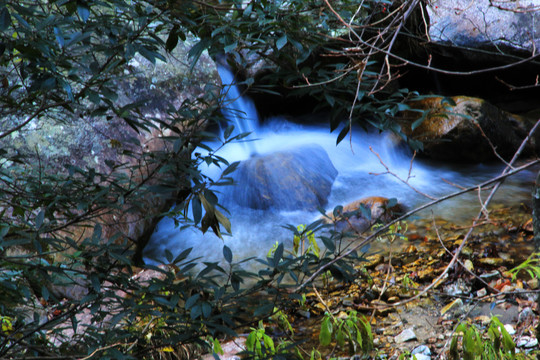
[361, 173]
[368, 164]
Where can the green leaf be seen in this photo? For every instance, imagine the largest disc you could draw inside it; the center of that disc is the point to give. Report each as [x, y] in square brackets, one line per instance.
[59, 37]
[230, 168]
[96, 284]
[229, 48]
[183, 255]
[196, 209]
[281, 42]
[45, 293]
[419, 121]
[83, 11]
[227, 254]
[172, 39]
[196, 51]
[191, 301]
[5, 19]
[278, 254]
[4, 231]
[206, 310]
[342, 134]
[325, 336]
[39, 219]
[223, 220]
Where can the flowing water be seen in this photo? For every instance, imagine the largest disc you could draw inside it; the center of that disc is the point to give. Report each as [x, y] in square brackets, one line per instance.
[361, 160]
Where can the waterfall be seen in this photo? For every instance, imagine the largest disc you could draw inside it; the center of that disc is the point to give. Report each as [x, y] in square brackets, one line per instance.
[279, 162]
[239, 110]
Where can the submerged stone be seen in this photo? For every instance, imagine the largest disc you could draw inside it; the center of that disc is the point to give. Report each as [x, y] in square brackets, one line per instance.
[296, 179]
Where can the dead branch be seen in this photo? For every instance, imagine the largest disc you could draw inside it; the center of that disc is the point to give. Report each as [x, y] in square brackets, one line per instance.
[406, 182]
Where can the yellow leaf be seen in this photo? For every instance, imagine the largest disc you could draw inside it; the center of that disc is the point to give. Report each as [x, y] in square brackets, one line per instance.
[167, 349]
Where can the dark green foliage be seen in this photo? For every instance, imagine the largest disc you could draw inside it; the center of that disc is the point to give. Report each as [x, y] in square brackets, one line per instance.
[67, 285]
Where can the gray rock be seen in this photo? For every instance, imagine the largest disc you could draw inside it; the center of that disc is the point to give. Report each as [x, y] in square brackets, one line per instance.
[297, 179]
[527, 342]
[405, 335]
[485, 23]
[421, 350]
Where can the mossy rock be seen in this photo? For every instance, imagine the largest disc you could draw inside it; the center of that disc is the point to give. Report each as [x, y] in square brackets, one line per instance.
[467, 129]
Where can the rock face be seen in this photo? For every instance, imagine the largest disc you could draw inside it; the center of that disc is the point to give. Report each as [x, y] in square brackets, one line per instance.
[460, 132]
[485, 23]
[352, 218]
[297, 179]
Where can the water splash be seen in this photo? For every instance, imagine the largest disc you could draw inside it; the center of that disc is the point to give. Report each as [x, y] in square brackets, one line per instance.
[238, 109]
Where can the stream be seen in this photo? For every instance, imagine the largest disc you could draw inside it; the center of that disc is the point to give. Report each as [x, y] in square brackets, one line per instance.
[368, 164]
[360, 174]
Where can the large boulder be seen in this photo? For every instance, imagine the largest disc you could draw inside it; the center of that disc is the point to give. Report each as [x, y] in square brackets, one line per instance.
[494, 24]
[296, 179]
[467, 129]
[376, 209]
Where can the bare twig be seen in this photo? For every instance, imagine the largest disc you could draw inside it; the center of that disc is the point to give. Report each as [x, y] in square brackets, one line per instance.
[406, 182]
[370, 238]
[459, 261]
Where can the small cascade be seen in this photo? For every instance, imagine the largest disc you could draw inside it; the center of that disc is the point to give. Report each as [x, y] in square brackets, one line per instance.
[292, 170]
[238, 109]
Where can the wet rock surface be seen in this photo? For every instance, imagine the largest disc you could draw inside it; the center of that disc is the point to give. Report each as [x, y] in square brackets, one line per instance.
[296, 179]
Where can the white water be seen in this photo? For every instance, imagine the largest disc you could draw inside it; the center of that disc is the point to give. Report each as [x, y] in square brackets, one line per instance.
[255, 231]
[361, 174]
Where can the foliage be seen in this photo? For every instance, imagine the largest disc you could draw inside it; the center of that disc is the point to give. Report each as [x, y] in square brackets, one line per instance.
[395, 231]
[335, 52]
[305, 239]
[351, 330]
[474, 345]
[64, 62]
[531, 266]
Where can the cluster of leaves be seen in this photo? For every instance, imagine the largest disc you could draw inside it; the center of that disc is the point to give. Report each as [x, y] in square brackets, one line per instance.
[474, 346]
[353, 331]
[336, 52]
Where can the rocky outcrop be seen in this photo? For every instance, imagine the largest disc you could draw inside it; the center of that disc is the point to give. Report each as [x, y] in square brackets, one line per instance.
[495, 24]
[467, 129]
[296, 179]
[362, 214]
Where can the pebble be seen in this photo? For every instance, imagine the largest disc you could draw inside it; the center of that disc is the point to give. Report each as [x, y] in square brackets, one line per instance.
[405, 335]
[527, 342]
[533, 283]
[422, 349]
[525, 314]
[482, 292]
[510, 329]
[508, 288]
[491, 275]
[348, 301]
[455, 305]
[492, 261]
[303, 313]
